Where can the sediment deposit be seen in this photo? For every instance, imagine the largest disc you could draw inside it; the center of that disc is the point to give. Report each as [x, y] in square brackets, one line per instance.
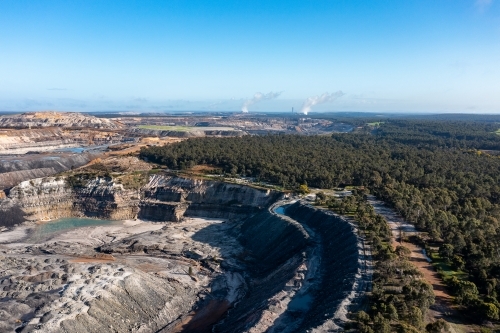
[213, 257]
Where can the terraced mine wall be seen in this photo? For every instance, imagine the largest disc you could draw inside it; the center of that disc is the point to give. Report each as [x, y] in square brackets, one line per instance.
[279, 249]
[339, 261]
[174, 198]
[164, 198]
[53, 198]
[282, 240]
[275, 249]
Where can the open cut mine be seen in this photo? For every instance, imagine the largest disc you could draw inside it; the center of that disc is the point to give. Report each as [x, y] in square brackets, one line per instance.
[177, 255]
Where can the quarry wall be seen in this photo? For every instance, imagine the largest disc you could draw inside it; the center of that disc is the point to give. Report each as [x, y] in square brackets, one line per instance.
[339, 260]
[164, 198]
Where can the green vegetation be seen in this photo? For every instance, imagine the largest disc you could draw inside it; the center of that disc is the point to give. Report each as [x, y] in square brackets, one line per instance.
[429, 171]
[130, 180]
[80, 179]
[446, 268]
[375, 123]
[303, 189]
[441, 134]
[133, 180]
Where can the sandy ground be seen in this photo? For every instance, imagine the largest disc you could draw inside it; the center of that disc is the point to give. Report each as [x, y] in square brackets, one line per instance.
[95, 236]
[87, 236]
[89, 272]
[13, 235]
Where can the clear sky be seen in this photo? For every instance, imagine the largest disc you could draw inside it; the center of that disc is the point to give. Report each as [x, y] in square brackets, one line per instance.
[411, 55]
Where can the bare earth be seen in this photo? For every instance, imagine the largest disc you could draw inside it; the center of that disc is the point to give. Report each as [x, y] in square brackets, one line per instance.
[87, 272]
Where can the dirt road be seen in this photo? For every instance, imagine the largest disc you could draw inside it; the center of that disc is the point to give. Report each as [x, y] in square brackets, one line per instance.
[443, 307]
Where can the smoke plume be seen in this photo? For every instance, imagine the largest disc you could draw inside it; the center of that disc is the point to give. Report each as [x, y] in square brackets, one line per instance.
[259, 97]
[326, 97]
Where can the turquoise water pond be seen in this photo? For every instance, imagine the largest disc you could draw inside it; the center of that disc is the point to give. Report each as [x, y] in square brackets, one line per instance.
[45, 230]
[70, 223]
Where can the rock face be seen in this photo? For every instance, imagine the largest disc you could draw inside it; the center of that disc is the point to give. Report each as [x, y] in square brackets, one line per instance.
[168, 197]
[162, 211]
[164, 198]
[57, 119]
[53, 198]
[274, 255]
[341, 265]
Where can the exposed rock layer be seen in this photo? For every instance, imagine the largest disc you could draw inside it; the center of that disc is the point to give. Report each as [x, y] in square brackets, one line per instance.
[275, 252]
[164, 198]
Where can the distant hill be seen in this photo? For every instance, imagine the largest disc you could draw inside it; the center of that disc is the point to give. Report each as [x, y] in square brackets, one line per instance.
[57, 119]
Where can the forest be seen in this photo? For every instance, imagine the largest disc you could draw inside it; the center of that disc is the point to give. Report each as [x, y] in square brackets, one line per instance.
[443, 176]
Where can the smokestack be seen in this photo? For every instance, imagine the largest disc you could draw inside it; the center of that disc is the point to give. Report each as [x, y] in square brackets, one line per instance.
[257, 98]
[314, 100]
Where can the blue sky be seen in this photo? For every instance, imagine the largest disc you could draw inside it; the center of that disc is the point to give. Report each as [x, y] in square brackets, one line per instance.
[409, 56]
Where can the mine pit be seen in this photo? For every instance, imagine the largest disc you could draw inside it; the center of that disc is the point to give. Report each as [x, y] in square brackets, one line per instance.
[186, 256]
